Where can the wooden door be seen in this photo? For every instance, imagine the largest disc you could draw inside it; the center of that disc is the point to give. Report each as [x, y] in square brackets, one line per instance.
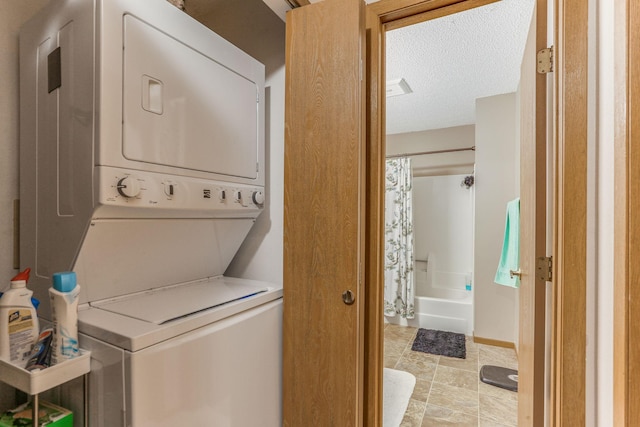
[324, 227]
[533, 225]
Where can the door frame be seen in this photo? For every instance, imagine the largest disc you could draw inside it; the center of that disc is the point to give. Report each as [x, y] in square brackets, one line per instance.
[626, 398]
[568, 341]
[568, 324]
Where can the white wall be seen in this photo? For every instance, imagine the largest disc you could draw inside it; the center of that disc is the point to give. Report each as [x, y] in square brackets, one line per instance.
[12, 15]
[601, 33]
[436, 139]
[443, 231]
[496, 171]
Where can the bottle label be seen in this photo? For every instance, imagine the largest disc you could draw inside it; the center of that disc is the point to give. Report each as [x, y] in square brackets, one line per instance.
[20, 334]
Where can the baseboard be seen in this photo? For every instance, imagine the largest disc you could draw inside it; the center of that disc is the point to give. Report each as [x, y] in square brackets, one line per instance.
[497, 343]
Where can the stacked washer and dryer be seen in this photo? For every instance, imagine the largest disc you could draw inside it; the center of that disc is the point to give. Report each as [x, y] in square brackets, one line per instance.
[142, 169]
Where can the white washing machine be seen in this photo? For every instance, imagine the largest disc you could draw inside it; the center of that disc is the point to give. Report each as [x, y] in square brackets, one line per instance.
[142, 170]
[216, 366]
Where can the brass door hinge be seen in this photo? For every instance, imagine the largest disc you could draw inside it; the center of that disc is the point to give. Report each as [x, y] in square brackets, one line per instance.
[544, 59]
[544, 268]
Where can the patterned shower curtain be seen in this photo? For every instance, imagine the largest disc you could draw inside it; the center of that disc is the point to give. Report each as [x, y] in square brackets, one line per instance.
[398, 251]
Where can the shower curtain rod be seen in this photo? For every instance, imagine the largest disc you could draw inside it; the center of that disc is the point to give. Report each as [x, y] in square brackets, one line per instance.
[452, 150]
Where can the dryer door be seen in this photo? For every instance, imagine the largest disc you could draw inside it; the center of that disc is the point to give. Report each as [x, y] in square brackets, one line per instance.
[182, 108]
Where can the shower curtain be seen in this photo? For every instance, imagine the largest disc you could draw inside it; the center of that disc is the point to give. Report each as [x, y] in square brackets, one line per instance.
[398, 267]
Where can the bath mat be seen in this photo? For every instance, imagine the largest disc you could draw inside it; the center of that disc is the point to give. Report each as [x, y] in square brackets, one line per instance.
[443, 343]
[397, 387]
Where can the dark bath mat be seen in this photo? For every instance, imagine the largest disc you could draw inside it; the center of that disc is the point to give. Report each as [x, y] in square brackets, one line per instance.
[444, 343]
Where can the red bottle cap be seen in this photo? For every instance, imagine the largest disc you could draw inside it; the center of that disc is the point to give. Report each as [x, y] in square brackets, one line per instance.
[24, 275]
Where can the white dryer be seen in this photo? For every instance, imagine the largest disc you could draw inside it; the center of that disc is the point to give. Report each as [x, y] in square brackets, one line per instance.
[142, 170]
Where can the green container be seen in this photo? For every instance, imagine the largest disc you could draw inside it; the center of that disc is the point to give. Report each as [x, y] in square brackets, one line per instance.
[49, 415]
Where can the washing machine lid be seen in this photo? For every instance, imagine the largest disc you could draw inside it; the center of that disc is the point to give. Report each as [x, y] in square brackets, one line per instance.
[163, 305]
[142, 320]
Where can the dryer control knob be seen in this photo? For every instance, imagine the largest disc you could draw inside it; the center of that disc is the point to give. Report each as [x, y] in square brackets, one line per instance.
[258, 198]
[129, 186]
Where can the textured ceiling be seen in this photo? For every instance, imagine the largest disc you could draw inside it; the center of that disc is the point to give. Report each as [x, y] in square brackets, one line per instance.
[449, 62]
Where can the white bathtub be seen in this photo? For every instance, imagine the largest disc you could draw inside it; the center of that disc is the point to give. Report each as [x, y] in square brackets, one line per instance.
[443, 309]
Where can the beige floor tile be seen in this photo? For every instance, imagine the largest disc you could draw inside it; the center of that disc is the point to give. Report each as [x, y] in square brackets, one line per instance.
[500, 393]
[456, 377]
[454, 398]
[498, 356]
[419, 356]
[420, 369]
[413, 416]
[438, 416]
[421, 390]
[468, 364]
[503, 411]
[405, 332]
[390, 361]
[470, 344]
[490, 423]
[394, 348]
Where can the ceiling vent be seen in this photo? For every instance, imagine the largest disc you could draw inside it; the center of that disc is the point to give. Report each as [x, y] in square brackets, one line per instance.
[397, 87]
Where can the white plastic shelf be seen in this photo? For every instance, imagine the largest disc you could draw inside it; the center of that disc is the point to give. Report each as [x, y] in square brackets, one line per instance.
[35, 382]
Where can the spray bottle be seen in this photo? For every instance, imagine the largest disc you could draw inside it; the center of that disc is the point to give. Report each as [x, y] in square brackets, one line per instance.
[19, 326]
[64, 314]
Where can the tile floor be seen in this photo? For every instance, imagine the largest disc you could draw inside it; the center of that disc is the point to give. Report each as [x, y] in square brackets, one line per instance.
[448, 391]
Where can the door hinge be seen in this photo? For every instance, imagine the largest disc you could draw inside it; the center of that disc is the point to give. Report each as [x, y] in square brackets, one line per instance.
[544, 268]
[544, 59]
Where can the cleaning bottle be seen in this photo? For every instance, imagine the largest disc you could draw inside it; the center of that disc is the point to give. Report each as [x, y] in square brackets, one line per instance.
[19, 326]
[64, 315]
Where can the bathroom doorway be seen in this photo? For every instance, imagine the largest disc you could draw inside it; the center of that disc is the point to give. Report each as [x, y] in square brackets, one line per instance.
[450, 110]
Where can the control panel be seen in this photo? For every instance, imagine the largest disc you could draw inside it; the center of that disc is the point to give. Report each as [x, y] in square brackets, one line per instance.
[154, 191]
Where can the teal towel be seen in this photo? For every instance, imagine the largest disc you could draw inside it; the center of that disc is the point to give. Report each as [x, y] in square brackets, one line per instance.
[510, 257]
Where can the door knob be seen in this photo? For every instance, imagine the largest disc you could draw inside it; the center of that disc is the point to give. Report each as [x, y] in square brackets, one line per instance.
[516, 273]
[348, 298]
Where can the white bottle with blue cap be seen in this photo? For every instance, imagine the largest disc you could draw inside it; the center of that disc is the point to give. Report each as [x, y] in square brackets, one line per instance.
[64, 314]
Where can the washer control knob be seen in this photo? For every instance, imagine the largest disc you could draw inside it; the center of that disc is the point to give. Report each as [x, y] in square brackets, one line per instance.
[258, 198]
[129, 186]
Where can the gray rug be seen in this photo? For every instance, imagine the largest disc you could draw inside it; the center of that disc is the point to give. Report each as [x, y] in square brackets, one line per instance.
[442, 343]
